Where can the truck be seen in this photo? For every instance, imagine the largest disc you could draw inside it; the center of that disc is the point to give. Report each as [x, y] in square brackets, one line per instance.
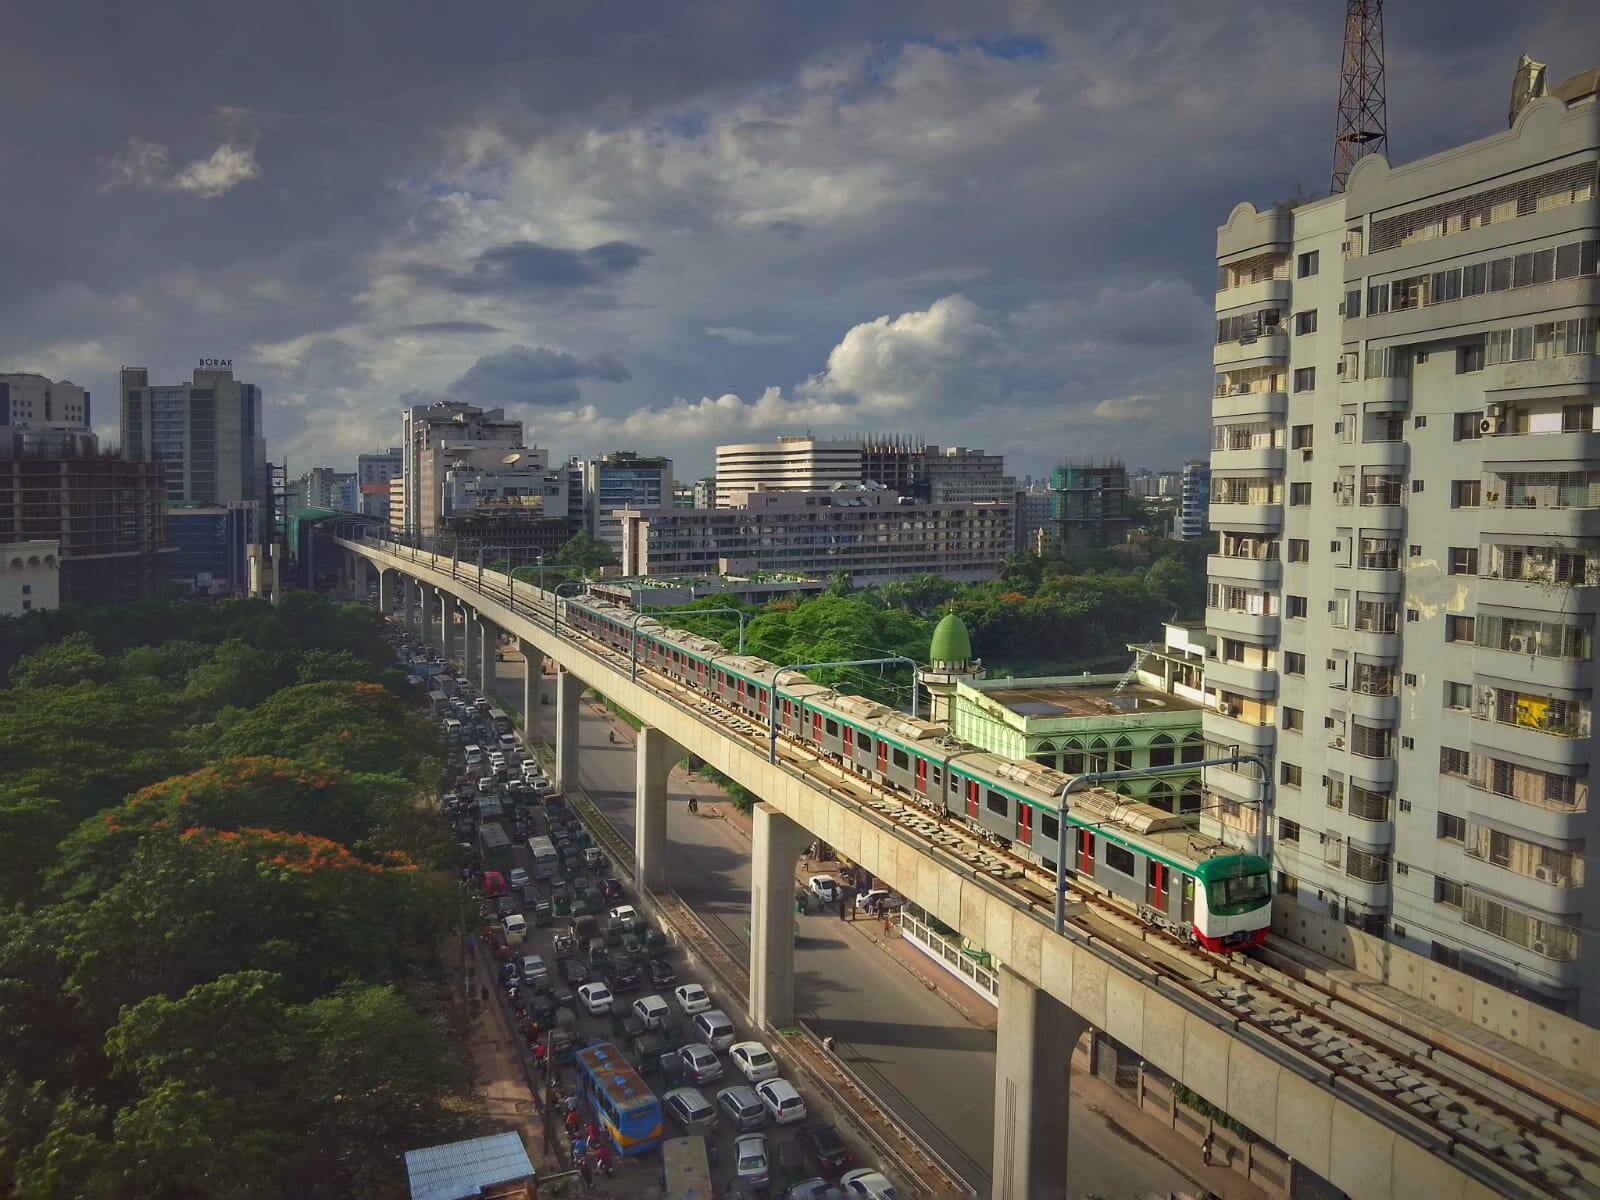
[494, 846]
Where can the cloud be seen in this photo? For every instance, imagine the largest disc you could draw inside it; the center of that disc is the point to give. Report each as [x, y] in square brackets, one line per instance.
[528, 269]
[449, 327]
[533, 375]
[747, 337]
[1123, 408]
[143, 164]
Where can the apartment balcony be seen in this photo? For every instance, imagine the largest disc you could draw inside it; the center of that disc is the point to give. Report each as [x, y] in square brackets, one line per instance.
[1541, 600]
[1252, 518]
[1375, 643]
[1384, 394]
[1255, 627]
[1560, 749]
[1540, 817]
[1243, 403]
[1374, 708]
[1565, 371]
[1264, 349]
[1576, 450]
[1395, 454]
[1234, 731]
[1547, 891]
[1260, 682]
[1255, 461]
[1263, 293]
[1258, 572]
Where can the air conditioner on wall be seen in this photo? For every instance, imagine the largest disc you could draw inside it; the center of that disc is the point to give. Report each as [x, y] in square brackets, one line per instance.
[1542, 949]
[1516, 644]
[1543, 873]
[1490, 426]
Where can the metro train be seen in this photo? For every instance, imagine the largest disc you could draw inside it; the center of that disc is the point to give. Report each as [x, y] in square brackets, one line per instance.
[1150, 860]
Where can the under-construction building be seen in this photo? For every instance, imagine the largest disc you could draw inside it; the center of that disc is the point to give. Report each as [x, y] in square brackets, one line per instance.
[1089, 506]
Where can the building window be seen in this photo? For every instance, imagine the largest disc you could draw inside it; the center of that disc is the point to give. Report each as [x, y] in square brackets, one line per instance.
[1300, 548]
[1119, 858]
[1448, 891]
[1452, 828]
[1294, 663]
[1305, 379]
[1072, 760]
[1289, 774]
[1459, 629]
[1296, 606]
[1300, 437]
[1162, 752]
[1293, 720]
[1464, 493]
[1457, 695]
[1305, 322]
[1468, 427]
[1469, 358]
[1416, 486]
[1454, 762]
[1308, 264]
[1463, 560]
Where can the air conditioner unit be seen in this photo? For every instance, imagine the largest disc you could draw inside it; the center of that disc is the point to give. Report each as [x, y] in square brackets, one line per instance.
[1516, 644]
[1542, 949]
[1543, 873]
[1305, 455]
[1338, 743]
[1490, 426]
[1496, 409]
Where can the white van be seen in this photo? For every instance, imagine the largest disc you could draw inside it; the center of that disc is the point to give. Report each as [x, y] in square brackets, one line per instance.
[516, 927]
[474, 755]
[653, 1011]
[452, 729]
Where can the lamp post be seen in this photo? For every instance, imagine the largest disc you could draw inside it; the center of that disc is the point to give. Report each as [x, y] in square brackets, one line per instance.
[772, 697]
[555, 604]
[692, 612]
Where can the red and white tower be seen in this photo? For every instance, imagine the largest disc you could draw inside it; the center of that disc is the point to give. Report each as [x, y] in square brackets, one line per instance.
[1363, 124]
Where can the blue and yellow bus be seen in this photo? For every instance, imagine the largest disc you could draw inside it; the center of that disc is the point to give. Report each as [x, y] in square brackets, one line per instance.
[628, 1111]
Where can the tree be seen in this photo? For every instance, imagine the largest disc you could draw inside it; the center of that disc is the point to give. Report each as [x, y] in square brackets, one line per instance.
[587, 552]
[73, 659]
[359, 727]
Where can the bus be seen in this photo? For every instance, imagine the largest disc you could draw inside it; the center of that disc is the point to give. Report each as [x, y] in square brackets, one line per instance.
[544, 857]
[628, 1112]
[685, 1170]
[498, 721]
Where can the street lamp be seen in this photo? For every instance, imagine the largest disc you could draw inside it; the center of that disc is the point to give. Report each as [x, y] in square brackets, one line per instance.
[555, 603]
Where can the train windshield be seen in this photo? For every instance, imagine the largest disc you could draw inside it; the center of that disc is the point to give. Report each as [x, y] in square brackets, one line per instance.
[1241, 893]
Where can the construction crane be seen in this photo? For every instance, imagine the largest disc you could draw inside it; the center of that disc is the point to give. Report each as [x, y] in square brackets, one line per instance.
[1362, 127]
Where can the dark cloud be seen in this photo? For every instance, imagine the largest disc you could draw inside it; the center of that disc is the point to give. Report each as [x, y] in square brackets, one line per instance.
[525, 270]
[449, 327]
[533, 375]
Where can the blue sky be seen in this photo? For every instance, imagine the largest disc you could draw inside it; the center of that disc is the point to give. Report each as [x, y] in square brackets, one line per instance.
[661, 226]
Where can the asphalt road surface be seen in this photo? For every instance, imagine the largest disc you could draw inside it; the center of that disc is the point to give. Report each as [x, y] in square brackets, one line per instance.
[922, 1058]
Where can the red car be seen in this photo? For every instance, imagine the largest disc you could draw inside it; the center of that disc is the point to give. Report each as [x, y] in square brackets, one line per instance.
[494, 883]
[611, 889]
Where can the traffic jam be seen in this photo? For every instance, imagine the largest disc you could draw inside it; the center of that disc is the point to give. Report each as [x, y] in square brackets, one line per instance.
[634, 1059]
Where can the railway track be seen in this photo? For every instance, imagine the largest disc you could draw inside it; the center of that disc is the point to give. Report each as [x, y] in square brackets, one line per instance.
[1468, 1106]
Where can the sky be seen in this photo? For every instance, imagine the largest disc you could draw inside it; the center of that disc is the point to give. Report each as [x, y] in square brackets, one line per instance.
[660, 226]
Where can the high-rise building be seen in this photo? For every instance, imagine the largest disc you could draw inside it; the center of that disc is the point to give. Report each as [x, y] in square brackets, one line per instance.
[790, 464]
[1194, 512]
[622, 479]
[211, 546]
[705, 492]
[957, 473]
[30, 401]
[207, 434]
[1035, 529]
[438, 436]
[1404, 485]
[894, 461]
[1089, 506]
[682, 494]
[373, 473]
[323, 487]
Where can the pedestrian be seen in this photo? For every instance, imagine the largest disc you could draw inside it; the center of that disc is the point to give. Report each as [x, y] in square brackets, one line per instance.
[483, 994]
[1205, 1148]
[579, 1145]
[586, 1170]
[592, 1132]
[888, 925]
[841, 908]
[829, 1042]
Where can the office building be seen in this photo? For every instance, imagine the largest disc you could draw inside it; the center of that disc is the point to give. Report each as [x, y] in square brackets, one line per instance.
[103, 511]
[373, 473]
[867, 532]
[30, 401]
[1035, 528]
[30, 577]
[1194, 511]
[790, 464]
[682, 495]
[323, 487]
[705, 492]
[1089, 506]
[1404, 591]
[211, 546]
[206, 433]
[439, 436]
[619, 480]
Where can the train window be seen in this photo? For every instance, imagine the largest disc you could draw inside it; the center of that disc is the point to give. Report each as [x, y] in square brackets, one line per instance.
[937, 776]
[902, 760]
[1119, 858]
[1050, 828]
[997, 802]
[832, 727]
[866, 745]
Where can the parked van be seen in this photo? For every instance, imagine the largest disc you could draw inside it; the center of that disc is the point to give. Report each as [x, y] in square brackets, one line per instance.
[474, 755]
[452, 729]
[516, 927]
[715, 1029]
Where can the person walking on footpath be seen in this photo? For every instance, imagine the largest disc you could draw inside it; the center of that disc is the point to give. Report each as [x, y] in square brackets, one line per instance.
[1205, 1148]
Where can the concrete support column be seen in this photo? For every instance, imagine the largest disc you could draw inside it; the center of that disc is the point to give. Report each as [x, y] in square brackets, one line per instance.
[569, 690]
[408, 597]
[469, 655]
[447, 623]
[488, 648]
[1032, 1084]
[385, 593]
[654, 756]
[426, 628]
[532, 689]
[777, 845]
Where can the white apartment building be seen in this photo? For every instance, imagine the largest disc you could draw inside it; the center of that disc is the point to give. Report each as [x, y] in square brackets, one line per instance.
[790, 464]
[30, 577]
[437, 436]
[1405, 494]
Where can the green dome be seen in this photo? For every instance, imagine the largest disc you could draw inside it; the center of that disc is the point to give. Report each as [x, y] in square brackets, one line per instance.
[951, 641]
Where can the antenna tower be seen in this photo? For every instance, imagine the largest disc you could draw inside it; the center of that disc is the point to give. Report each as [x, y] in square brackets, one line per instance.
[1363, 124]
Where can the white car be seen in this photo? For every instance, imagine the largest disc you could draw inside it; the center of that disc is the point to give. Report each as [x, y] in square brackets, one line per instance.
[596, 998]
[653, 1011]
[750, 1159]
[825, 888]
[785, 1104]
[755, 1061]
[534, 967]
[624, 916]
[872, 1185]
[518, 878]
[530, 770]
[496, 759]
[692, 999]
[485, 784]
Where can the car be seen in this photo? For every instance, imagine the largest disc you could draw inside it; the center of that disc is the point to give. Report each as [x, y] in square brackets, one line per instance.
[689, 1107]
[879, 899]
[519, 877]
[872, 1185]
[473, 755]
[699, 1063]
[652, 1010]
[625, 916]
[816, 1188]
[485, 784]
[785, 1105]
[534, 967]
[625, 977]
[530, 896]
[825, 888]
[741, 1108]
[661, 973]
[508, 742]
[574, 972]
[750, 1159]
[825, 1147]
[611, 889]
[755, 1061]
[504, 906]
[715, 1029]
[497, 759]
[516, 925]
[692, 998]
[596, 997]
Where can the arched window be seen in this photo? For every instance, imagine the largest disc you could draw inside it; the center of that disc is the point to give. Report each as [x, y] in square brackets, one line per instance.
[1072, 759]
[1194, 746]
[1044, 752]
[1189, 801]
[1124, 790]
[1162, 751]
[1160, 795]
[1122, 757]
[33, 560]
[1097, 754]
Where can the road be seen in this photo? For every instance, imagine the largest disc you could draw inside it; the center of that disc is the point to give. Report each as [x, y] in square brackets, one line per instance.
[921, 1056]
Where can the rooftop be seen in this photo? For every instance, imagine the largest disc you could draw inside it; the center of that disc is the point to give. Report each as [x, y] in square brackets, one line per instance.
[1086, 696]
[458, 1170]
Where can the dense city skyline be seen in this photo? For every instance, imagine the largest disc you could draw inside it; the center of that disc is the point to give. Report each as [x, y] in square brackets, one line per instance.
[636, 230]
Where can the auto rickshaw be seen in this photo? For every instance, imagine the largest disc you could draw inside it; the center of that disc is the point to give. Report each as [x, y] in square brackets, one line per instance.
[625, 1026]
[645, 1051]
[543, 914]
[656, 944]
[564, 945]
[562, 1044]
[580, 903]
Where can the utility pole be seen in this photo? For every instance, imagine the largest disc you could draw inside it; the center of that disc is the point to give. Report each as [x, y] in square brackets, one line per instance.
[1362, 127]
